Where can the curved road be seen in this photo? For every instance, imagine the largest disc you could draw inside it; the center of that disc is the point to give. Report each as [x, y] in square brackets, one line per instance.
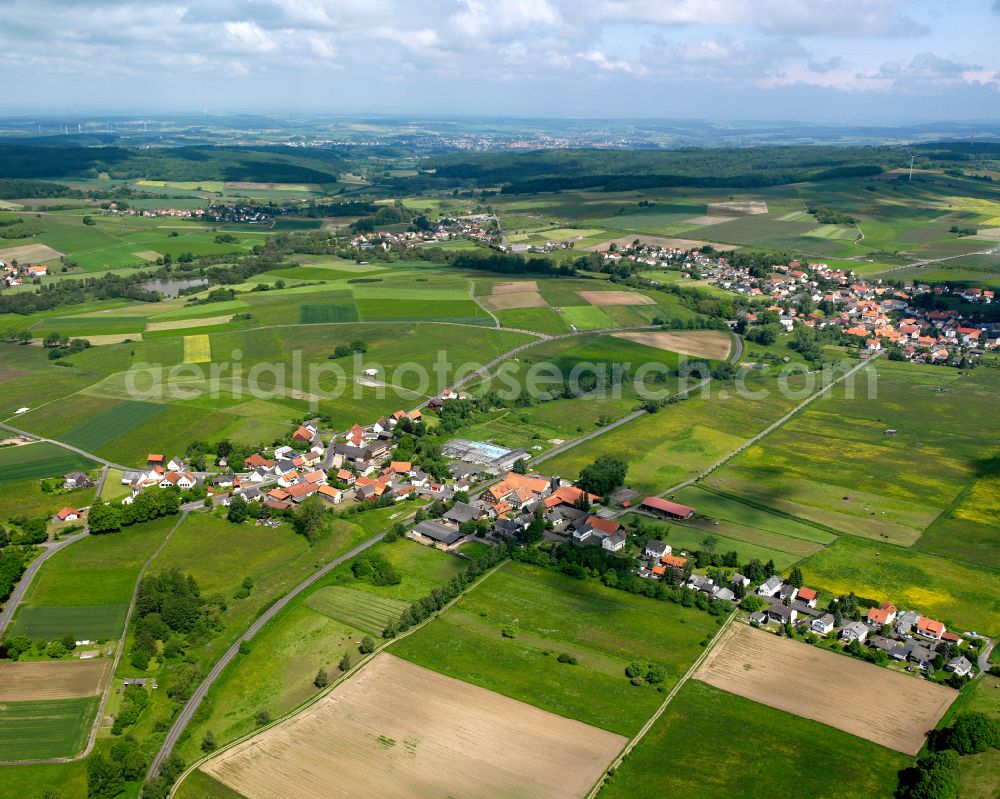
[29, 574]
[119, 651]
[189, 709]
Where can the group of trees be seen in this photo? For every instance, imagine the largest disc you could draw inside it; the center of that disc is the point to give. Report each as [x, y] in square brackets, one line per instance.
[110, 518]
[106, 776]
[439, 597]
[168, 607]
[603, 476]
[375, 567]
[13, 562]
[343, 350]
[936, 775]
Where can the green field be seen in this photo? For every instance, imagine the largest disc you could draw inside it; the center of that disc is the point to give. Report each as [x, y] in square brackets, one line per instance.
[729, 746]
[605, 629]
[834, 465]
[56, 728]
[680, 441]
[357, 608]
[91, 622]
[587, 317]
[965, 597]
[98, 430]
[692, 538]
[199, 785]
[31, 461]
[96, 571]
[26, 498]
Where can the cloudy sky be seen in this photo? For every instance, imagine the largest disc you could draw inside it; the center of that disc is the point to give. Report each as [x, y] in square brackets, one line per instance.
[822, 60]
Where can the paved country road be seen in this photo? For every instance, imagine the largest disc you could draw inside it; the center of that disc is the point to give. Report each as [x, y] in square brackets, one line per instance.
[119, 651]
[189, 709]
[29, 574]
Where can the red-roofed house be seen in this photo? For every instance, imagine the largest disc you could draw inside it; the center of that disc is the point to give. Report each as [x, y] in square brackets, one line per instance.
[808, 595]
[673, 562]
[931, 629]
[883, 614]
[68, 515]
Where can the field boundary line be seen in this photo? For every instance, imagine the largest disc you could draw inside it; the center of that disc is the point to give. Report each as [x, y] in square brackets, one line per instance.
[106, 694]
[766, 431]
[472, 296]
[351, 672]
[644, 730]
[773, 511]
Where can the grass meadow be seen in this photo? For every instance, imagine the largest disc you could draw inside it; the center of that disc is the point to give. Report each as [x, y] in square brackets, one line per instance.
[32, 461]
[551, 614]
[964, 596]
[56, 728]
[730, 746]
[88, 583]
[835, 465]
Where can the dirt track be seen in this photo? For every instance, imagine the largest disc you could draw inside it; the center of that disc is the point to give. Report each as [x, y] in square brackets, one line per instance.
[891, 709]
[400, 730]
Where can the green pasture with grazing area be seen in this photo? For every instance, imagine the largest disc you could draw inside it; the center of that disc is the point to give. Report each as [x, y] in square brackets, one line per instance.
[98, 570]
[49, 622]
[730, 746]
[57, 728]
[357, 608]
[65, 780]
[681, 440]
[550, 614]
[967, 529]
[26, 498]
[749, 545]
[835, 463]
[31, 461]
[963, 596]
[541, 320]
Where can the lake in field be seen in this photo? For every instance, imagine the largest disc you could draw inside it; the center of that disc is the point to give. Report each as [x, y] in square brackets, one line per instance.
[172, 288]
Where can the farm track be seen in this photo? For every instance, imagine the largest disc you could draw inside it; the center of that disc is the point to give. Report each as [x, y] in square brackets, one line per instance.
[106, 693]
[763, 433]
[661, 709]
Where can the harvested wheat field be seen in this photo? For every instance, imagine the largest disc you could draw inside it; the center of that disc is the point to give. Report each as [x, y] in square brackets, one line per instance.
[738, 207]
[701, 221]
[112, 338]
[517, 299]
[396, 729]
[515, 286]
[180, 324]
[29, 254]
[57, 679]
[148, 255]
[603, 298]
[889, 708]
[712, 344]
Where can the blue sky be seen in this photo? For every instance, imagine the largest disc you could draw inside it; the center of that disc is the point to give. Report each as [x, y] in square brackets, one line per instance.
[875, 61]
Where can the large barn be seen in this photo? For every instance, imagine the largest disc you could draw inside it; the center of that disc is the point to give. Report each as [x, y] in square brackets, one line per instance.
[664, 507]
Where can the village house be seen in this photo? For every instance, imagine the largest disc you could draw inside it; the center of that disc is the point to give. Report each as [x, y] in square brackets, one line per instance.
[854, 631]
[67, 515]
[960, 666]
[883, 614]
[657, 549]
[929, 628]
[770, 587]
[822, 625]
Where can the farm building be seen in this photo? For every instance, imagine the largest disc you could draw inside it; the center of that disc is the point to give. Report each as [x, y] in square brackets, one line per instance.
[664, 507]
[437, 532]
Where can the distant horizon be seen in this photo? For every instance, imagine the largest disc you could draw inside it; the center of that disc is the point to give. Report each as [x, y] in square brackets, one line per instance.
[853, 61]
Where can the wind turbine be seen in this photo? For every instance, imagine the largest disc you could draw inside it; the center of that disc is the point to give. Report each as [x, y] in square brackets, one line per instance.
[910, 178]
